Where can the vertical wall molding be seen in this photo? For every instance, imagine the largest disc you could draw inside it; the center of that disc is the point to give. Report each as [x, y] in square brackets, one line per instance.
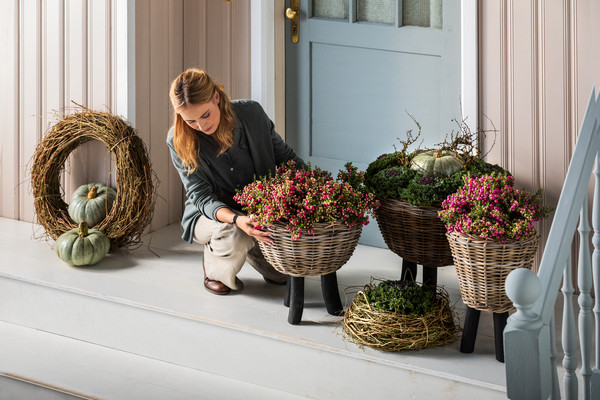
[536, 79]
[546, 69]
[504, 79]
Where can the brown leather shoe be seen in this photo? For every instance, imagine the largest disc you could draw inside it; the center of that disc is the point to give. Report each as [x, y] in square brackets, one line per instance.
[215, 287]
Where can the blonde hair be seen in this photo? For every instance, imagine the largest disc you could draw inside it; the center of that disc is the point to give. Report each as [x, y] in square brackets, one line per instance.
[194, 86]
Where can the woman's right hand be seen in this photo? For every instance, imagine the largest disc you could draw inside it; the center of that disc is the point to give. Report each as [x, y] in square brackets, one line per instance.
[247, 224]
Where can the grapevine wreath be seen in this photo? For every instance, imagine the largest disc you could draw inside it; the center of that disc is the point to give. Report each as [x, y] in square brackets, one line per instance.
[134, 206]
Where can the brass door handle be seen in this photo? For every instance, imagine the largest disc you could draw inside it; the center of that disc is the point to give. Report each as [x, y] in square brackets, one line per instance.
[290, 14]
[293, 14]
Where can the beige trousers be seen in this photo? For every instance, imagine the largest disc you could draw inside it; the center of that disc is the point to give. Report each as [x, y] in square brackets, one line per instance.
[226, 248]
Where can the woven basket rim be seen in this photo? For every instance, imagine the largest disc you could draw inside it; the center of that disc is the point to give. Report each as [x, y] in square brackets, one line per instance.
[407, 204]
[316, 225]
[488, 241]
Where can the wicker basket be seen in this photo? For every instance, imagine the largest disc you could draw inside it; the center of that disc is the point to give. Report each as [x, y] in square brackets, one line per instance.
[414, 233]
[321, 253]
[483, 265]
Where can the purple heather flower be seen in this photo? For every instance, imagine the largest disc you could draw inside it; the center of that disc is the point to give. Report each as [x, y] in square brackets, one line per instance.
[392, 172]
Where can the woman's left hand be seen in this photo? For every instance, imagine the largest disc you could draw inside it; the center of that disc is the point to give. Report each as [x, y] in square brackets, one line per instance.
[248, 226]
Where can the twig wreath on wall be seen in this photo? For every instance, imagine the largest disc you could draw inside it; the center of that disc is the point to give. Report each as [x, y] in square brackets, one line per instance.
[133, 208]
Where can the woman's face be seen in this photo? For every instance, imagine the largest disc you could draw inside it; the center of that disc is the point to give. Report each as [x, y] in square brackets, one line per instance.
[203, 117]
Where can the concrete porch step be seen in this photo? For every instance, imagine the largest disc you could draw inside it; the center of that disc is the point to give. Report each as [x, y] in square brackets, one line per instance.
[149, 304]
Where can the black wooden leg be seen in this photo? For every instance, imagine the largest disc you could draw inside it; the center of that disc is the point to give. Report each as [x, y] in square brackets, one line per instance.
[429, 276]
[331, 294]
[409, 271]
[286, 298]
[296, 300]
[467, 344]
[499, 325]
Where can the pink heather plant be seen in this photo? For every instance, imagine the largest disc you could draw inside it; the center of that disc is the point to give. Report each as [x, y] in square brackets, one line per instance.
[491, 208]
[299, 198]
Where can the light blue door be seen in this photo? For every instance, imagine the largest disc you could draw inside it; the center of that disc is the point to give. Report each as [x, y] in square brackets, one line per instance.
[357, 71]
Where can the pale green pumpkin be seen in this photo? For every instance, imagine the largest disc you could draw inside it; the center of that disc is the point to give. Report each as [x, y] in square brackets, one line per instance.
[436, 163]
[91, 203]
[82, 246]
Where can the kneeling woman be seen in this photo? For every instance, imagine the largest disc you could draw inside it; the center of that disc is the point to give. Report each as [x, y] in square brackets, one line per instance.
[218, 146]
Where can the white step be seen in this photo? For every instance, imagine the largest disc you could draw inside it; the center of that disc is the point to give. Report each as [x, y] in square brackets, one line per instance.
[150, 303]
[56, 367]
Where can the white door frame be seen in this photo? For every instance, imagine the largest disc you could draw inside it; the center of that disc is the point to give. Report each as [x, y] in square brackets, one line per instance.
[268, 59]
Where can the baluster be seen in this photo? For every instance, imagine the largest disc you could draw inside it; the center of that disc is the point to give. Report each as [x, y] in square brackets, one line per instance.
[584, 281]
[555, 386]
[595, 384]
[596, 256]
[569, 336]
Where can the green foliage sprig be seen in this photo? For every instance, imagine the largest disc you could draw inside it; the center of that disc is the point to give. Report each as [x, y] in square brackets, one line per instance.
[404, 297]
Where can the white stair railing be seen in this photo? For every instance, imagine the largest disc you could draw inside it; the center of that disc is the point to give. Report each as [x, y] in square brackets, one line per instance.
[529, 341]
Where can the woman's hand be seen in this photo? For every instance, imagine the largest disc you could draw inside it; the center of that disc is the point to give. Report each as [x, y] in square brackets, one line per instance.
[248, 226]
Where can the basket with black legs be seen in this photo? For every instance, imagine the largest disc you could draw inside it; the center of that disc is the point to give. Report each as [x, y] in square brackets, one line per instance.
[320, 253]
[315, 223]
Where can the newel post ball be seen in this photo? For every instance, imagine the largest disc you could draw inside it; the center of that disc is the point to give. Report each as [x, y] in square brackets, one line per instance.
[523, 288]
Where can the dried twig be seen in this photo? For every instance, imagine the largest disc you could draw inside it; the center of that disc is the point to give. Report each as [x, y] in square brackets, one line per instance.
[134, 206]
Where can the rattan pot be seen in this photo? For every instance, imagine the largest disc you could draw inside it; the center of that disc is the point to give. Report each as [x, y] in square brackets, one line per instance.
[321, 253]
[414, 233]
[482, 266]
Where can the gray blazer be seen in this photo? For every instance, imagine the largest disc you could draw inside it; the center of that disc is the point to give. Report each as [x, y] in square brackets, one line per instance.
[268, 151]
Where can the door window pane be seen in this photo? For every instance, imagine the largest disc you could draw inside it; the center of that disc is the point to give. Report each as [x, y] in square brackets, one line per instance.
[426, 13]
[380, 11]
[330, 9]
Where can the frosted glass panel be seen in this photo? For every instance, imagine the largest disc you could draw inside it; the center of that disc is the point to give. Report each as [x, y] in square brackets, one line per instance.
[426, 13]
[435, 14]
[381, 11]
[330, 9]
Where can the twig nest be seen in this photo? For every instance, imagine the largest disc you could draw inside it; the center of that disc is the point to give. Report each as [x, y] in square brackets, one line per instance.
[393, 331]
[133, 207]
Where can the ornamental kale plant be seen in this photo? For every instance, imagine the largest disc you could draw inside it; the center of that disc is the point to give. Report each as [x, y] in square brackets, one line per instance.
[393, 176]
[299, 198]
[387, 179]
[491, 208]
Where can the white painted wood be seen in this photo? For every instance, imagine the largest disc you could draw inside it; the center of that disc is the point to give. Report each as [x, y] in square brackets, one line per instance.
[123, 41]
[30, 101]
[569, 336]
[584, 281]
[533, 379]
[262, 57]
[99, 159]
[11, 388]
[526, 337]
[553, 359]
[595, 384]
[92, 371]
[469, 72]
[567, 211]
[150, 302]
[53, 62]
[10, 194]
[76, 85]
